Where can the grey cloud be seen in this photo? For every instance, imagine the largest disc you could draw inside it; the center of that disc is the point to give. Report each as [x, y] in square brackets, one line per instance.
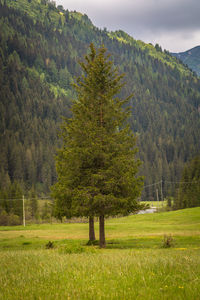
[148, 20]
[154, 15]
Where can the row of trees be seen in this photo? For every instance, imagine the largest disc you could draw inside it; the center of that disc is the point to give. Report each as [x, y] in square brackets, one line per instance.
[187, 194]
[189, 189]
[11, 205]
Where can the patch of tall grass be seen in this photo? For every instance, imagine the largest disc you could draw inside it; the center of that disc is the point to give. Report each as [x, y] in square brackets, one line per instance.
[135, 264]
[104, 274]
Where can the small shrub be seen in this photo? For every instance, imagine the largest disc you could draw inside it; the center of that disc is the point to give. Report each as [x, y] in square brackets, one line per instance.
[49, 245]
[168, 241]
[71, 249]
[9, 219]
[3, 218]
[13, 220]
[26, 243]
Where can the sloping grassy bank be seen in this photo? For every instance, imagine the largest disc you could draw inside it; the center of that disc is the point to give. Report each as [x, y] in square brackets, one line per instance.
[184, 222]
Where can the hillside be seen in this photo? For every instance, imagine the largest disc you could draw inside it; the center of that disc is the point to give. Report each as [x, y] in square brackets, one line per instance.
[191, 58]
[40, 46]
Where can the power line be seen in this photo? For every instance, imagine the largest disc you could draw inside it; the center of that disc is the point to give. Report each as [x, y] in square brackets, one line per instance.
[166, 181]
[16, 199]
[182, 181]
[153, 184]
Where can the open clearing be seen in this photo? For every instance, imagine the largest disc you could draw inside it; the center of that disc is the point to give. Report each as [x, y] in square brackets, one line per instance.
[133, 266]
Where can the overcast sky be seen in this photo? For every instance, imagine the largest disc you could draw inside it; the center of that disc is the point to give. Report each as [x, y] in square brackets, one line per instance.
[173, 24]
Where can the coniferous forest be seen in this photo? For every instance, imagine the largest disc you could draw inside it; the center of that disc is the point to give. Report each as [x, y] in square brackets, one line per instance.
[40, 49]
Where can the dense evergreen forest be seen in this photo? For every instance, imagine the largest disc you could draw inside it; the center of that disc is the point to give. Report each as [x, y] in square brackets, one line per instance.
[40, 47]
[189, 189]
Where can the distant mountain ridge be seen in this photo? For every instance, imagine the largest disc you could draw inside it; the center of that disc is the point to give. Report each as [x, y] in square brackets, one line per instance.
[191, 58]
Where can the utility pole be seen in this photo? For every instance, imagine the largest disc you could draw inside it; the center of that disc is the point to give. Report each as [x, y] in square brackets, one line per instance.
[157, 197]
[24, 222]
[161, 192]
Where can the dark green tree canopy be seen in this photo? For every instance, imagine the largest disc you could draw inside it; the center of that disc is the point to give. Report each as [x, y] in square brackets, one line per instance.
[189, 188]
[97, 166]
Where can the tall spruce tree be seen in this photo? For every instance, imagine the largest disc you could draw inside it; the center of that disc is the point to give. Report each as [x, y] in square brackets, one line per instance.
[96, 166]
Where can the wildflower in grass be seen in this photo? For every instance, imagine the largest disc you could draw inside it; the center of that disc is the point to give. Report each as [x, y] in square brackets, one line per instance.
[180, 248]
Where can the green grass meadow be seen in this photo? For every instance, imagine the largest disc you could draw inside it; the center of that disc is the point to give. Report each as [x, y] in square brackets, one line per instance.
[135, 265]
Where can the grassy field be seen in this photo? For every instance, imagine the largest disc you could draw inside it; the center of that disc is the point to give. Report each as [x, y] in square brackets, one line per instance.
[133, 266]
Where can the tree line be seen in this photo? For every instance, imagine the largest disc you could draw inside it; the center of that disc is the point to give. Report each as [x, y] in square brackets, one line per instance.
[12, 196]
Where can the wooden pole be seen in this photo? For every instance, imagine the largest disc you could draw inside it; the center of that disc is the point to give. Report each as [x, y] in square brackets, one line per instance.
[24, 219]
[157, 197]
[161, 193]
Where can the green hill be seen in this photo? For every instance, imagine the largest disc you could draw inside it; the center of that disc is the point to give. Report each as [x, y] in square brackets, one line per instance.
[191, 58]
[137, 232]
[40, 46]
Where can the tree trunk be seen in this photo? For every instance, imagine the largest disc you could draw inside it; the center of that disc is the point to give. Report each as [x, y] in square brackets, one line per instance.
[91, 229]
[102, 240]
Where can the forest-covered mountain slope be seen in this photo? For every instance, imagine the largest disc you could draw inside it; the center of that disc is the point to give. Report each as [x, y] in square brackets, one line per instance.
[40, 46]
[191, 58]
